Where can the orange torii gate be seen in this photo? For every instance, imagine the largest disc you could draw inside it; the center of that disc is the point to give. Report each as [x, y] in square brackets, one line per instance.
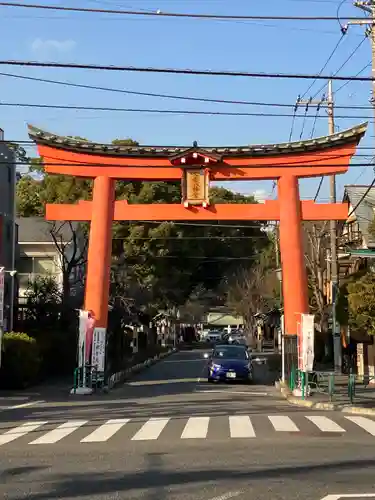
[195, 167]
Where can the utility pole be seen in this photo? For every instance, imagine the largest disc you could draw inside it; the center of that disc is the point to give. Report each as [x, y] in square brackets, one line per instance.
[367, 6]
[329, 103]
[281, 337]
[333, 231]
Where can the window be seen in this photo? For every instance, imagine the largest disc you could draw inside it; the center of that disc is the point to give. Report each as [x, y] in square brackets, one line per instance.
[25, 265]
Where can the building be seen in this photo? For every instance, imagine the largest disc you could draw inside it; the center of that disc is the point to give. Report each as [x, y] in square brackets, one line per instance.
[45, 249]
[8, 228]
[356, 244]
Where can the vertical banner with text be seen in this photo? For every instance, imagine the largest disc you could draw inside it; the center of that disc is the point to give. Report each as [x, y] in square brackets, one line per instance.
[98, 349]
[83, 320]
[307, 342]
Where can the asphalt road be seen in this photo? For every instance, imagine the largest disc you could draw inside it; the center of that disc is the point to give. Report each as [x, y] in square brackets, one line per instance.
[169, 435]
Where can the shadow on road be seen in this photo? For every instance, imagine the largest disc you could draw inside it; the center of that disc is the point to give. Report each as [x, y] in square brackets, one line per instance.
[157, 482]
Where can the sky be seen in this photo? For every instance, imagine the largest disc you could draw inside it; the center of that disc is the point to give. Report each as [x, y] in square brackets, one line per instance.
[258, 46]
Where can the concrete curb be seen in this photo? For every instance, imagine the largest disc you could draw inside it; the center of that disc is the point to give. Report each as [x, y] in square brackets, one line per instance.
[123, 375]
[293, 400]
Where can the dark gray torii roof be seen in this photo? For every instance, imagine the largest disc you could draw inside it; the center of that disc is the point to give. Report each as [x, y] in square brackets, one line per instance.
[348, 136]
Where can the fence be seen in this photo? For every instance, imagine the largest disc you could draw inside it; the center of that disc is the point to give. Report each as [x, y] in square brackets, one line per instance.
[332, 386]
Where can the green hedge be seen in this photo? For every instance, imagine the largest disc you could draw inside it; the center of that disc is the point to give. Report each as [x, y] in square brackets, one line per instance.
[21, 361]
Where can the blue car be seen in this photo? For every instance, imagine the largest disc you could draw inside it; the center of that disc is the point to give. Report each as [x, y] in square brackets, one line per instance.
[230, 363]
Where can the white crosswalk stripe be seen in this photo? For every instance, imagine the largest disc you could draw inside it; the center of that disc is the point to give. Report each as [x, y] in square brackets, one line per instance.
[282, 423]
[105, 431]
[365, 423]
[60, 432]
[241, 427]
[325, 424]
[151, 429]
[19, 431]
[196, 428]
[183, 428]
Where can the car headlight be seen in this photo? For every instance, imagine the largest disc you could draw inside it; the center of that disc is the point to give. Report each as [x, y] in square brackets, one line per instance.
[215, 366]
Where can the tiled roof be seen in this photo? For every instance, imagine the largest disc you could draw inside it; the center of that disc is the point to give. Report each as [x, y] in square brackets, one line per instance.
[364, 213]
[79, 146]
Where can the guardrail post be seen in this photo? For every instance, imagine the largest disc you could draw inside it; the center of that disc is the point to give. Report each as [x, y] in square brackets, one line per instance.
[303, 381]
[331, 386]
[75, 377]
[292, 381]
[351, 387]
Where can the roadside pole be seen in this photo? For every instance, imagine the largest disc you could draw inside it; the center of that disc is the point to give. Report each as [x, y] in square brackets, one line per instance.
[282, 349]
[2, 276]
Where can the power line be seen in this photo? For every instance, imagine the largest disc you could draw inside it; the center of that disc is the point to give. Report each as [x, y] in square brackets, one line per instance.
[159, 13]
[325, 64]
[177, 71]
[368, 65]
[164, 111]
[343, 64]
[180, 97]
[362, 197]
[170, 96]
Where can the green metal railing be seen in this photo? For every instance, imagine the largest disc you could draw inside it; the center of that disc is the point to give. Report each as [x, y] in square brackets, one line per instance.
[321, 382]
[326, 383]
[87, 376]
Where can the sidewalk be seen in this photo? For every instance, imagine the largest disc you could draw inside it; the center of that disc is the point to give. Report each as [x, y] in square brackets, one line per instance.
[363, 400]
[48, 390]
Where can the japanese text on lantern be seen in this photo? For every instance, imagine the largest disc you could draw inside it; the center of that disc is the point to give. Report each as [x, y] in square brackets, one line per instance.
[195, 185]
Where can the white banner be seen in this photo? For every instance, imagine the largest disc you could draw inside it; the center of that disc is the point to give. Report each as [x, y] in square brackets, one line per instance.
[98, 349]
[83, 321]
[307, 333]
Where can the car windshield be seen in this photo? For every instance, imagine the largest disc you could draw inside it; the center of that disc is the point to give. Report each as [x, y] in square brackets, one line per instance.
[230, 353]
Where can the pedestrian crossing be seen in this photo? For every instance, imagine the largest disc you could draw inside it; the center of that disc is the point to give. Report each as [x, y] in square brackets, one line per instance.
[118, 430]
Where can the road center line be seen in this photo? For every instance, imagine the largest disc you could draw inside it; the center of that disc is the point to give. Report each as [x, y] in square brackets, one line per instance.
[247, 393]
[22, 405]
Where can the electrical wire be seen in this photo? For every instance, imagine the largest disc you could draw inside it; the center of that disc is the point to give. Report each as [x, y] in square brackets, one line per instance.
[167, 111]
[325, 64]
[362, 197]
[181, 71]
[368, 65]
[159, 13]
[179, 97]
[319, 187]
[343, 64]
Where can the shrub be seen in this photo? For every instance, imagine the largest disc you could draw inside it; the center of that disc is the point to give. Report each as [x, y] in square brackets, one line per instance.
[21, 361]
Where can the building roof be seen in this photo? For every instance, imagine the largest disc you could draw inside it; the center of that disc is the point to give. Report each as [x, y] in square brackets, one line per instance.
[364, 212]
[348, 136]
[37, 230]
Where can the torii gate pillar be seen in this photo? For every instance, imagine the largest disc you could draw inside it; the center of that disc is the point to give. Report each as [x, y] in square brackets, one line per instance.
[294, 274]
[99, 250]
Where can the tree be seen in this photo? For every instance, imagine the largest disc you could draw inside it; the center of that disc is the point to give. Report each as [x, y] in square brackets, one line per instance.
[71, 242]
[356, 302]
[254, 289]
[317, 242]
